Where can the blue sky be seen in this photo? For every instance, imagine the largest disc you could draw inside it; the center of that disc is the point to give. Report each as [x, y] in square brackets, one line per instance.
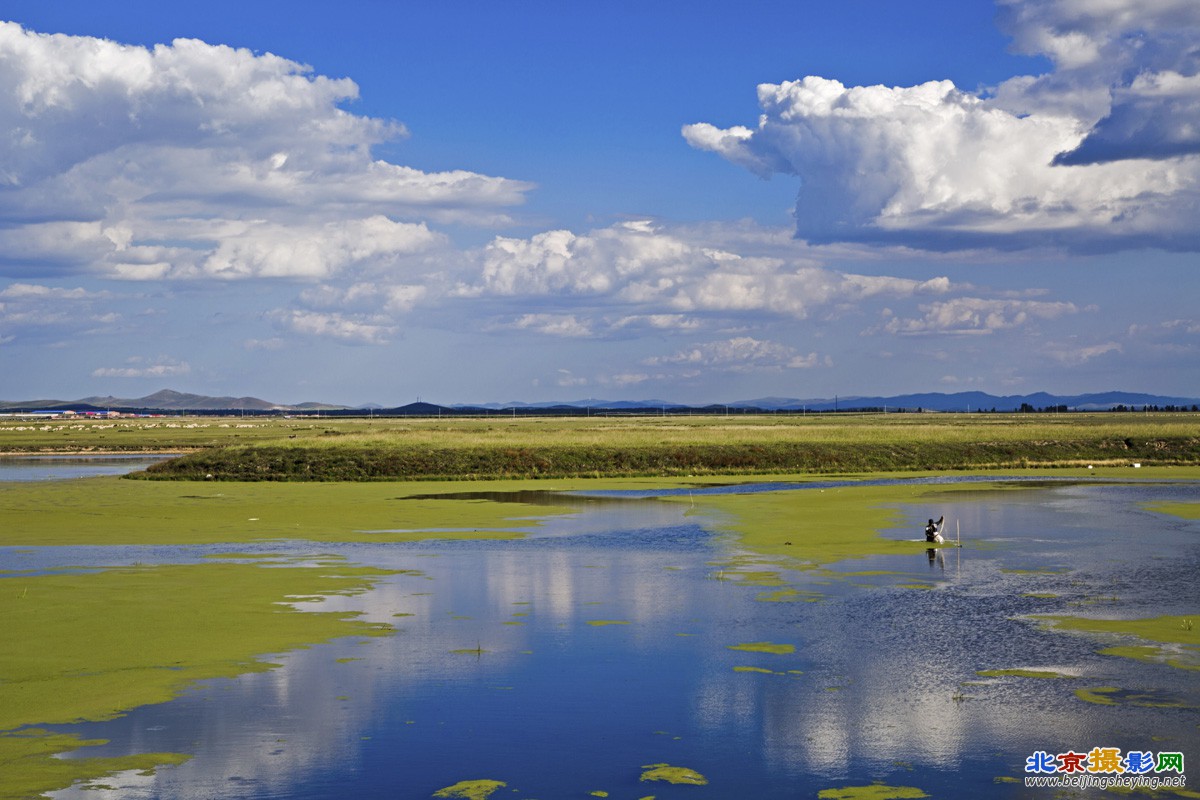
[473, 202]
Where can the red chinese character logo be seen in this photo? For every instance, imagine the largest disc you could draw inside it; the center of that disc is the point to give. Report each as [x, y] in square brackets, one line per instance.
[1071, 761]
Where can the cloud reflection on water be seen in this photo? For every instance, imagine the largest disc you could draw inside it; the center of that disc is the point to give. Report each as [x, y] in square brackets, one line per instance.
[888, 679]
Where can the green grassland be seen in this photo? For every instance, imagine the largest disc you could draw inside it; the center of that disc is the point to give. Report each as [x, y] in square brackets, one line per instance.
[143, 435]
[494, 448]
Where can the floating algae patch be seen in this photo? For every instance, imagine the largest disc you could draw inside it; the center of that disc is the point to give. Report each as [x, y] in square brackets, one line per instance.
[91, 647]
[1038, 571]
[471, 790]
[30, 768]
[1018, 673]
[790, 595]
[247, 556]
[793, 673]
[669, 774]
[1113, 696]
[747, 570]
[100, 511]
[1182, 658]
[764, 647]
[1098, 695]
[875, 791]
[1184, 510]
[816, 526]
[1176, 638]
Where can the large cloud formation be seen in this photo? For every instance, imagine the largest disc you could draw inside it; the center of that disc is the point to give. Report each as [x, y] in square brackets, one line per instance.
[1101, 152]
[1144, 53]
[663, 280]
[198, 160]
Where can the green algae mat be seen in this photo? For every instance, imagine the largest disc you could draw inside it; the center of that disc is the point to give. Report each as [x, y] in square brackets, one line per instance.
[1174, 640]
[91, 646]
[106, 511]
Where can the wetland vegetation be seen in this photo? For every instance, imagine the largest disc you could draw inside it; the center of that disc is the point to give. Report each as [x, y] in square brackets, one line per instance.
[428, 449]
[90, 646]
[120, 594]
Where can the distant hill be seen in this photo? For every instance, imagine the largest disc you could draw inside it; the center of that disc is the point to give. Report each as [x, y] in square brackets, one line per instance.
[975, 401]
[168, 400]
[165, 400]
[588, 403]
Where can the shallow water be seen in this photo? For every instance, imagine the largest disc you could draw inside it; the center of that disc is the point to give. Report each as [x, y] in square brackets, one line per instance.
[564, 662]
[52, 468]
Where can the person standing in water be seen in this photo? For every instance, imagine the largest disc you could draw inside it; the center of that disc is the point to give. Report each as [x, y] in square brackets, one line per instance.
[933, 531]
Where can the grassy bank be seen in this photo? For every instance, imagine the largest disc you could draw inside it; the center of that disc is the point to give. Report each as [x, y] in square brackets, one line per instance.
[353, 463]
[166, 435]
[387, 449]
[673, 446]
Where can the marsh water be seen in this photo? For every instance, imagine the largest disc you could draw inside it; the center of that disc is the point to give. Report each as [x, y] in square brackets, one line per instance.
[566, 662]
[58, 468]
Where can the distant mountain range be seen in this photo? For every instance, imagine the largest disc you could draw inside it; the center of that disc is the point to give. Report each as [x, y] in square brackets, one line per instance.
[977, 401]
[172, 401]
[166, 400]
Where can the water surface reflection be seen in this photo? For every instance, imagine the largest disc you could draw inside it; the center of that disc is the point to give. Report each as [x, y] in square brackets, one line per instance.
[50, 468]
[562, 663]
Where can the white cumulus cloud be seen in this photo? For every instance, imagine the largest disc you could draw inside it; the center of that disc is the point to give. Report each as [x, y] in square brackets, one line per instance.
[740, 354]
[1084, 157]
[564, 325]
[33, 308]
[276, 251]
[1139, 57]
[348, 328]
[196, 160]
[661, 280]
[974, 315]
[138, 367]
[1071, 355]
